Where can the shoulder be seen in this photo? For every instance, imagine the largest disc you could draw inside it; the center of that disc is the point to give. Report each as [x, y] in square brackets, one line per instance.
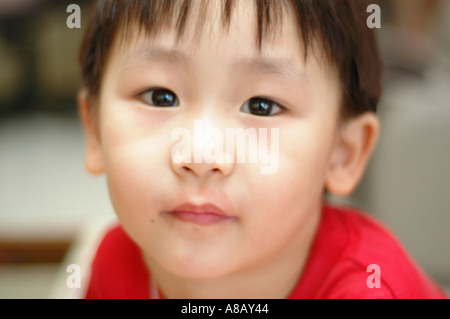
[118, 269]
[360, 258]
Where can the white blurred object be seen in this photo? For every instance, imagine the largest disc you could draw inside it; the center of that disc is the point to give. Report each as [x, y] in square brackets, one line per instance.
[81, 254]
[45, 191]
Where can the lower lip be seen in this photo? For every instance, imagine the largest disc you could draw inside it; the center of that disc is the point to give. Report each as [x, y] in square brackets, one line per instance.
[200, 218]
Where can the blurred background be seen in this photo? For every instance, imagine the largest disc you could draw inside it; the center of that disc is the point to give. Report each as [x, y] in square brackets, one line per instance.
[52, 212]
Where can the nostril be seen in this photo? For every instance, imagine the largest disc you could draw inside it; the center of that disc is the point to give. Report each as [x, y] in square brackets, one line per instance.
[186, 169]
[199, 171]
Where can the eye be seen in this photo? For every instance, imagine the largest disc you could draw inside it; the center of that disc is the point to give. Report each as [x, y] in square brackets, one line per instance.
[261, 107]
[160, 97]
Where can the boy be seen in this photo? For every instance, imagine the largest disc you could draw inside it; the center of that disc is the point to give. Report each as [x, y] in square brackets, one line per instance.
[197, 222]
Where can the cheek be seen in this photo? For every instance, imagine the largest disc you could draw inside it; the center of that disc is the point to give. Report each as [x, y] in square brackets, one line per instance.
[287, 201]
[304, 156]
[130, 181]
[133, 159]
[286, 197]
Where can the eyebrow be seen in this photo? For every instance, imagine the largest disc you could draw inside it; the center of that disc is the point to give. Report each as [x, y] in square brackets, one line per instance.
[268, 65]
[264, 65]
[155, 53]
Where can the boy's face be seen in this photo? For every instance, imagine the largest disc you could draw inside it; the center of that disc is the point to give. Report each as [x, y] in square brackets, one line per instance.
[269, 217]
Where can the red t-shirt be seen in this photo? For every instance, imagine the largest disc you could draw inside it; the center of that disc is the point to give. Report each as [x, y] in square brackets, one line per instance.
[346, 243]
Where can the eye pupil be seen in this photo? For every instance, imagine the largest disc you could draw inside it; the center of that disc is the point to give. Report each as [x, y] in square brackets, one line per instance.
[260, 106]
[162, 97]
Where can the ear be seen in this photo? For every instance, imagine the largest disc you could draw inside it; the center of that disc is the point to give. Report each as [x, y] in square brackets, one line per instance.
[94, 158]
[351, 153]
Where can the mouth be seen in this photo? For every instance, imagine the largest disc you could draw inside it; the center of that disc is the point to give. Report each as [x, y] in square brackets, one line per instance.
[204, 214]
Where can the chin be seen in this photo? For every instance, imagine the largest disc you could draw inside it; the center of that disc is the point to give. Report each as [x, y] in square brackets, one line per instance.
[200, 268]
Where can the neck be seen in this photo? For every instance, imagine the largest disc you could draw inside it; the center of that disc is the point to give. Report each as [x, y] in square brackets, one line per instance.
[269, 280]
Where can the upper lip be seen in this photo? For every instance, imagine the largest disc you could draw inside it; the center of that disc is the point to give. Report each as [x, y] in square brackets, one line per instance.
[212, 201]
[204, 208]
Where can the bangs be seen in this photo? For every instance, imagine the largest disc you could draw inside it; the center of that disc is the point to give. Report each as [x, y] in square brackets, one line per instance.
[156, 16]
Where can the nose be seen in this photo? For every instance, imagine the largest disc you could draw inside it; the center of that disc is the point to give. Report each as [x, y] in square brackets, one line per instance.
[201, 153]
